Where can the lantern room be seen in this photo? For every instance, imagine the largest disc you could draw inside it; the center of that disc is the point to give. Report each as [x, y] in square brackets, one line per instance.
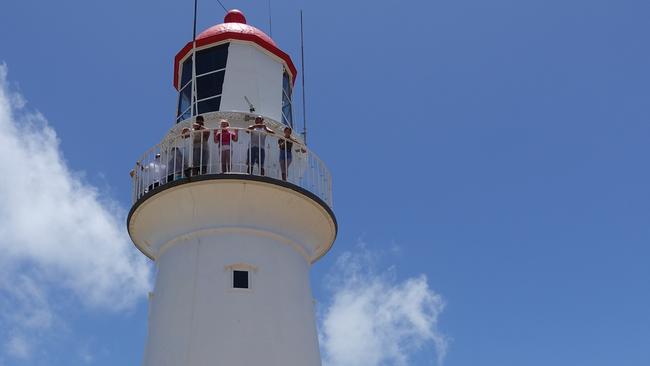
[238, 69]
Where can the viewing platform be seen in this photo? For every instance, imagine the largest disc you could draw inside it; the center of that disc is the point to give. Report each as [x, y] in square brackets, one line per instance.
[189, 154]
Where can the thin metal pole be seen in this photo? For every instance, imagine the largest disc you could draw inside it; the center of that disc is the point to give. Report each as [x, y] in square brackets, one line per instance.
[224, 8]
[270, 23]
[194, 107]
[302, 66]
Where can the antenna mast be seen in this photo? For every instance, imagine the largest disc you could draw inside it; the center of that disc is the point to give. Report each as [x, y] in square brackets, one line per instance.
[270, 24]
[302, 67]
[194, 107]
[224, 8]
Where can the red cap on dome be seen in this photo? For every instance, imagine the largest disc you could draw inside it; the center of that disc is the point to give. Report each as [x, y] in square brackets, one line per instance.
[234, 16]
[234, 27]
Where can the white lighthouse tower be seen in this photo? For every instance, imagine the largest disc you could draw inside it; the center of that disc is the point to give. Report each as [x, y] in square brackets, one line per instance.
[233, 214]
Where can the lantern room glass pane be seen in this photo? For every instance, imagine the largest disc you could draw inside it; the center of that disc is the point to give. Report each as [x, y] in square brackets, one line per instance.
[287, 115]
[186, 72]
[184, 99]
[209, 81]
[210, 59]
[209, 105]
[209, 85]
[184, 116]
[286, 83]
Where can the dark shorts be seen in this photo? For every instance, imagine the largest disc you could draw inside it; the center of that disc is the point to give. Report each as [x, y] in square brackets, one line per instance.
[256, 155]
[285, 156]
[200, 155]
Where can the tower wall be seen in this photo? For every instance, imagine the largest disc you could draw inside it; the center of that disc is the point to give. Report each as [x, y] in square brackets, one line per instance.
[197, 318]
[198, 233]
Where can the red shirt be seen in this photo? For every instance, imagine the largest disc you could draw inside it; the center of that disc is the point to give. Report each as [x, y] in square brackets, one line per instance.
[224, 136]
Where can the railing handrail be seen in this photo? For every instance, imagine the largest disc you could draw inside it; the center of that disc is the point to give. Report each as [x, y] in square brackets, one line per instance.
[186, 152]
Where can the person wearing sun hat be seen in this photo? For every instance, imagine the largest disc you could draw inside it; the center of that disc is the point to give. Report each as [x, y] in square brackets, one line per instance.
[256, 152]
[222, 138]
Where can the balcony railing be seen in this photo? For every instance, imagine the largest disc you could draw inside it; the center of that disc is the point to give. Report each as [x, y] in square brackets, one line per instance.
[187, 153]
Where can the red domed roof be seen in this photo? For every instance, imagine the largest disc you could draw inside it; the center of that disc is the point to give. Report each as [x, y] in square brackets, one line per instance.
[234, 27]
[235, 22]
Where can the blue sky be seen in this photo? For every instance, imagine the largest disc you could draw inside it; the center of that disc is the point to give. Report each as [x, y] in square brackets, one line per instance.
[498, 148]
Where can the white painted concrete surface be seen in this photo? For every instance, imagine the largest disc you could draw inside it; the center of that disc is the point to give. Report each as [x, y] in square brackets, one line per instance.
[197, 232]
[255, 73]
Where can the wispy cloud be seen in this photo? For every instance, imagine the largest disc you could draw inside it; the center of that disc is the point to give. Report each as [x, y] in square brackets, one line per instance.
[18, 347]
[375, 320]
[56, 231]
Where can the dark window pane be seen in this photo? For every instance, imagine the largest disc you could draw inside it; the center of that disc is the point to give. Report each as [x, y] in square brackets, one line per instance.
[240, 279]
[184, 116]
[287, 116]
[186, 73]
[286, 84]
[209, 85]
[184, 99]
[213, 58]
[210, 105]
[285, 100]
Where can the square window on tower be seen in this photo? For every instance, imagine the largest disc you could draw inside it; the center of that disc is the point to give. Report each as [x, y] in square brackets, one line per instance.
[240, 279]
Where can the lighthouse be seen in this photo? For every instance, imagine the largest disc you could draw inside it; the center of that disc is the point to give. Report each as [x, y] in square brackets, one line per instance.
[233, 209]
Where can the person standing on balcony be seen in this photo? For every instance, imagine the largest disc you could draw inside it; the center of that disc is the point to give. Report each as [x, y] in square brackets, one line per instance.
[186, 151]
[285, 144]
[155, 172]
[256, 153]
[175, 164]
[222, 137]
[200, 152]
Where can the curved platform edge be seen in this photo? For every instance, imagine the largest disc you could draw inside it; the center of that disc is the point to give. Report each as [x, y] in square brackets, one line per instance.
[234, 177]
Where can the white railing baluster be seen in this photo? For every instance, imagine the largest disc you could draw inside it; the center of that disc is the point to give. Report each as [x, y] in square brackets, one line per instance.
[200, 153]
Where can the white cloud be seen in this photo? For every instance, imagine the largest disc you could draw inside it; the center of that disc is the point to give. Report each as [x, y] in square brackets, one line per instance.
[18, 347]
[27, 300]
[86, 356]
[375, 320]
[26, 311]
[56, 231]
